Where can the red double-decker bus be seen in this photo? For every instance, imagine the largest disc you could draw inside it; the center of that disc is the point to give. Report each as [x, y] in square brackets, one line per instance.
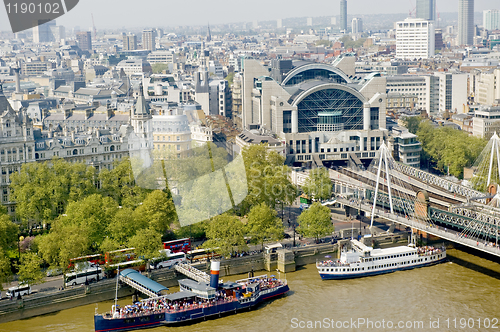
[90, 259]
[181, 245]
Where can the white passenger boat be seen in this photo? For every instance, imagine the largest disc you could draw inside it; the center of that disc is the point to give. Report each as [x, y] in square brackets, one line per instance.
[363, 261]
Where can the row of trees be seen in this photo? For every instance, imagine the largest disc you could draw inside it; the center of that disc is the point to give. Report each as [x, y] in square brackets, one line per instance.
[91, 212]
[445, 148]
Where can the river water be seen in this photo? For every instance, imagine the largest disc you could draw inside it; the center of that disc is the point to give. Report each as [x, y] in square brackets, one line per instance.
[463, 294]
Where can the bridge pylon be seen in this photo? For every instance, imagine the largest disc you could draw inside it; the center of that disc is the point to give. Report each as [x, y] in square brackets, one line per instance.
[487, 165]
[383, 163]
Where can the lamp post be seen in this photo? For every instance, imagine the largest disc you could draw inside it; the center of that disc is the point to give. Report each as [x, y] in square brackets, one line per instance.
[19, 247]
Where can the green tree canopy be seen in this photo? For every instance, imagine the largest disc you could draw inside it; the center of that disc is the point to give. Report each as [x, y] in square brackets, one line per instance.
[92, 214]
[119, 183]
[315, 222]
[43, 190]
[63, 243]
[156, 211]
[158, 68]
[225, 232]
[30, 271]
[147, 243]
[448, 148]
[318, 184]
[267, 176]
[5, 270]
[412, 123]
[263, 224]
[229, 78]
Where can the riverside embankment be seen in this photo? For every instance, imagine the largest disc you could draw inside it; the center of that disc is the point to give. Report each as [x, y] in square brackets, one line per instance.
[48, 302]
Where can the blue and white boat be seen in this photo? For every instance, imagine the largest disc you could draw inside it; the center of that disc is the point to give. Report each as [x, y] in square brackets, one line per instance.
[363, 261]
[195, 301]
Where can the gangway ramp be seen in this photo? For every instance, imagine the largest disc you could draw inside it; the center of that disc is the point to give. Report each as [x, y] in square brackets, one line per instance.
[189, 271]
[142, 283]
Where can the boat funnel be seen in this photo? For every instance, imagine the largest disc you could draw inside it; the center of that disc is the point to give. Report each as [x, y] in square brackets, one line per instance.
[214, 274]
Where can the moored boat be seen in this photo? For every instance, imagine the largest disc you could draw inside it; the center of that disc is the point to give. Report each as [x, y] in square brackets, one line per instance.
[195, 301]
[363, 261]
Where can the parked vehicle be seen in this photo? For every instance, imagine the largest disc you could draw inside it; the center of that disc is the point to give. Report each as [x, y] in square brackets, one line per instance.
[15, 291]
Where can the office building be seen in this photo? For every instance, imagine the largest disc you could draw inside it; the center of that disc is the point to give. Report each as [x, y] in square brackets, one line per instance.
[309, 21]
[426, 9]
[149, 40]
[491, 19]
[357, 25]
[343, 15]
[452, 92]
[84, 40]
[405, 146]
[129, 42]
[279, 23]
[486, 121]
[48, 32]
[316, 109]
[415, 38]
[465, 22]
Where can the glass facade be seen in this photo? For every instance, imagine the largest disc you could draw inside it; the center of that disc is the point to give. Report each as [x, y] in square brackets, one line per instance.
[312, 74]
[330, 110]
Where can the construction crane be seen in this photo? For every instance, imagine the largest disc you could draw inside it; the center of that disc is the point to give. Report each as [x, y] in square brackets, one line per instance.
[413, 12]
[93, 26]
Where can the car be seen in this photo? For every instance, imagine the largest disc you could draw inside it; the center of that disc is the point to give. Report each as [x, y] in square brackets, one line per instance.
[52, 272]
[286, 236]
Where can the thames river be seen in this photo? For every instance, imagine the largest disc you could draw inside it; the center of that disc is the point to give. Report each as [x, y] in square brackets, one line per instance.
[460, 295]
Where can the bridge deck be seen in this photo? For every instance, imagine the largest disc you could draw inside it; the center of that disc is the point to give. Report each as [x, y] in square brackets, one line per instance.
[441, 232]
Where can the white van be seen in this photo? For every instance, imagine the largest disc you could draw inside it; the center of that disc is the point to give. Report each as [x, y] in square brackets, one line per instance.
[21, 289]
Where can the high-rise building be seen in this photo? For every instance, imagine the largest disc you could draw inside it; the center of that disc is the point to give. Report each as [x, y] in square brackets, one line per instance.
[357, 25]
[309, 21]
[149, 40]
[415, 39]
[426, 9]
[491, 19]
[42, 33]
[465, 22]
[129, 42]
[279, 23]
[84, 40]
[343, 15]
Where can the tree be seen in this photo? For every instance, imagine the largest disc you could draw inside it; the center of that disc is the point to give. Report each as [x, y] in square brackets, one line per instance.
[8, 233]
[225, 232]
[92, 214]
[449, 149]
[267, 176]
[229, 78]
[158, 68]
[412, 123]
[322, 42]
[315, 222]
[30, 272]
[63, 243]
[318, 184]
[43, 190]
[263, 224]
[147, 243]
[119, 183]
[123, 226]
[156, 211]
[5, 270]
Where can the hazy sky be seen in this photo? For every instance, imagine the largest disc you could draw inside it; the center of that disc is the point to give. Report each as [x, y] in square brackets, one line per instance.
[161, 13]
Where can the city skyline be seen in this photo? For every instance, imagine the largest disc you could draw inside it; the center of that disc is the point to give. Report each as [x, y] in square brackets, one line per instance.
[117, 14]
